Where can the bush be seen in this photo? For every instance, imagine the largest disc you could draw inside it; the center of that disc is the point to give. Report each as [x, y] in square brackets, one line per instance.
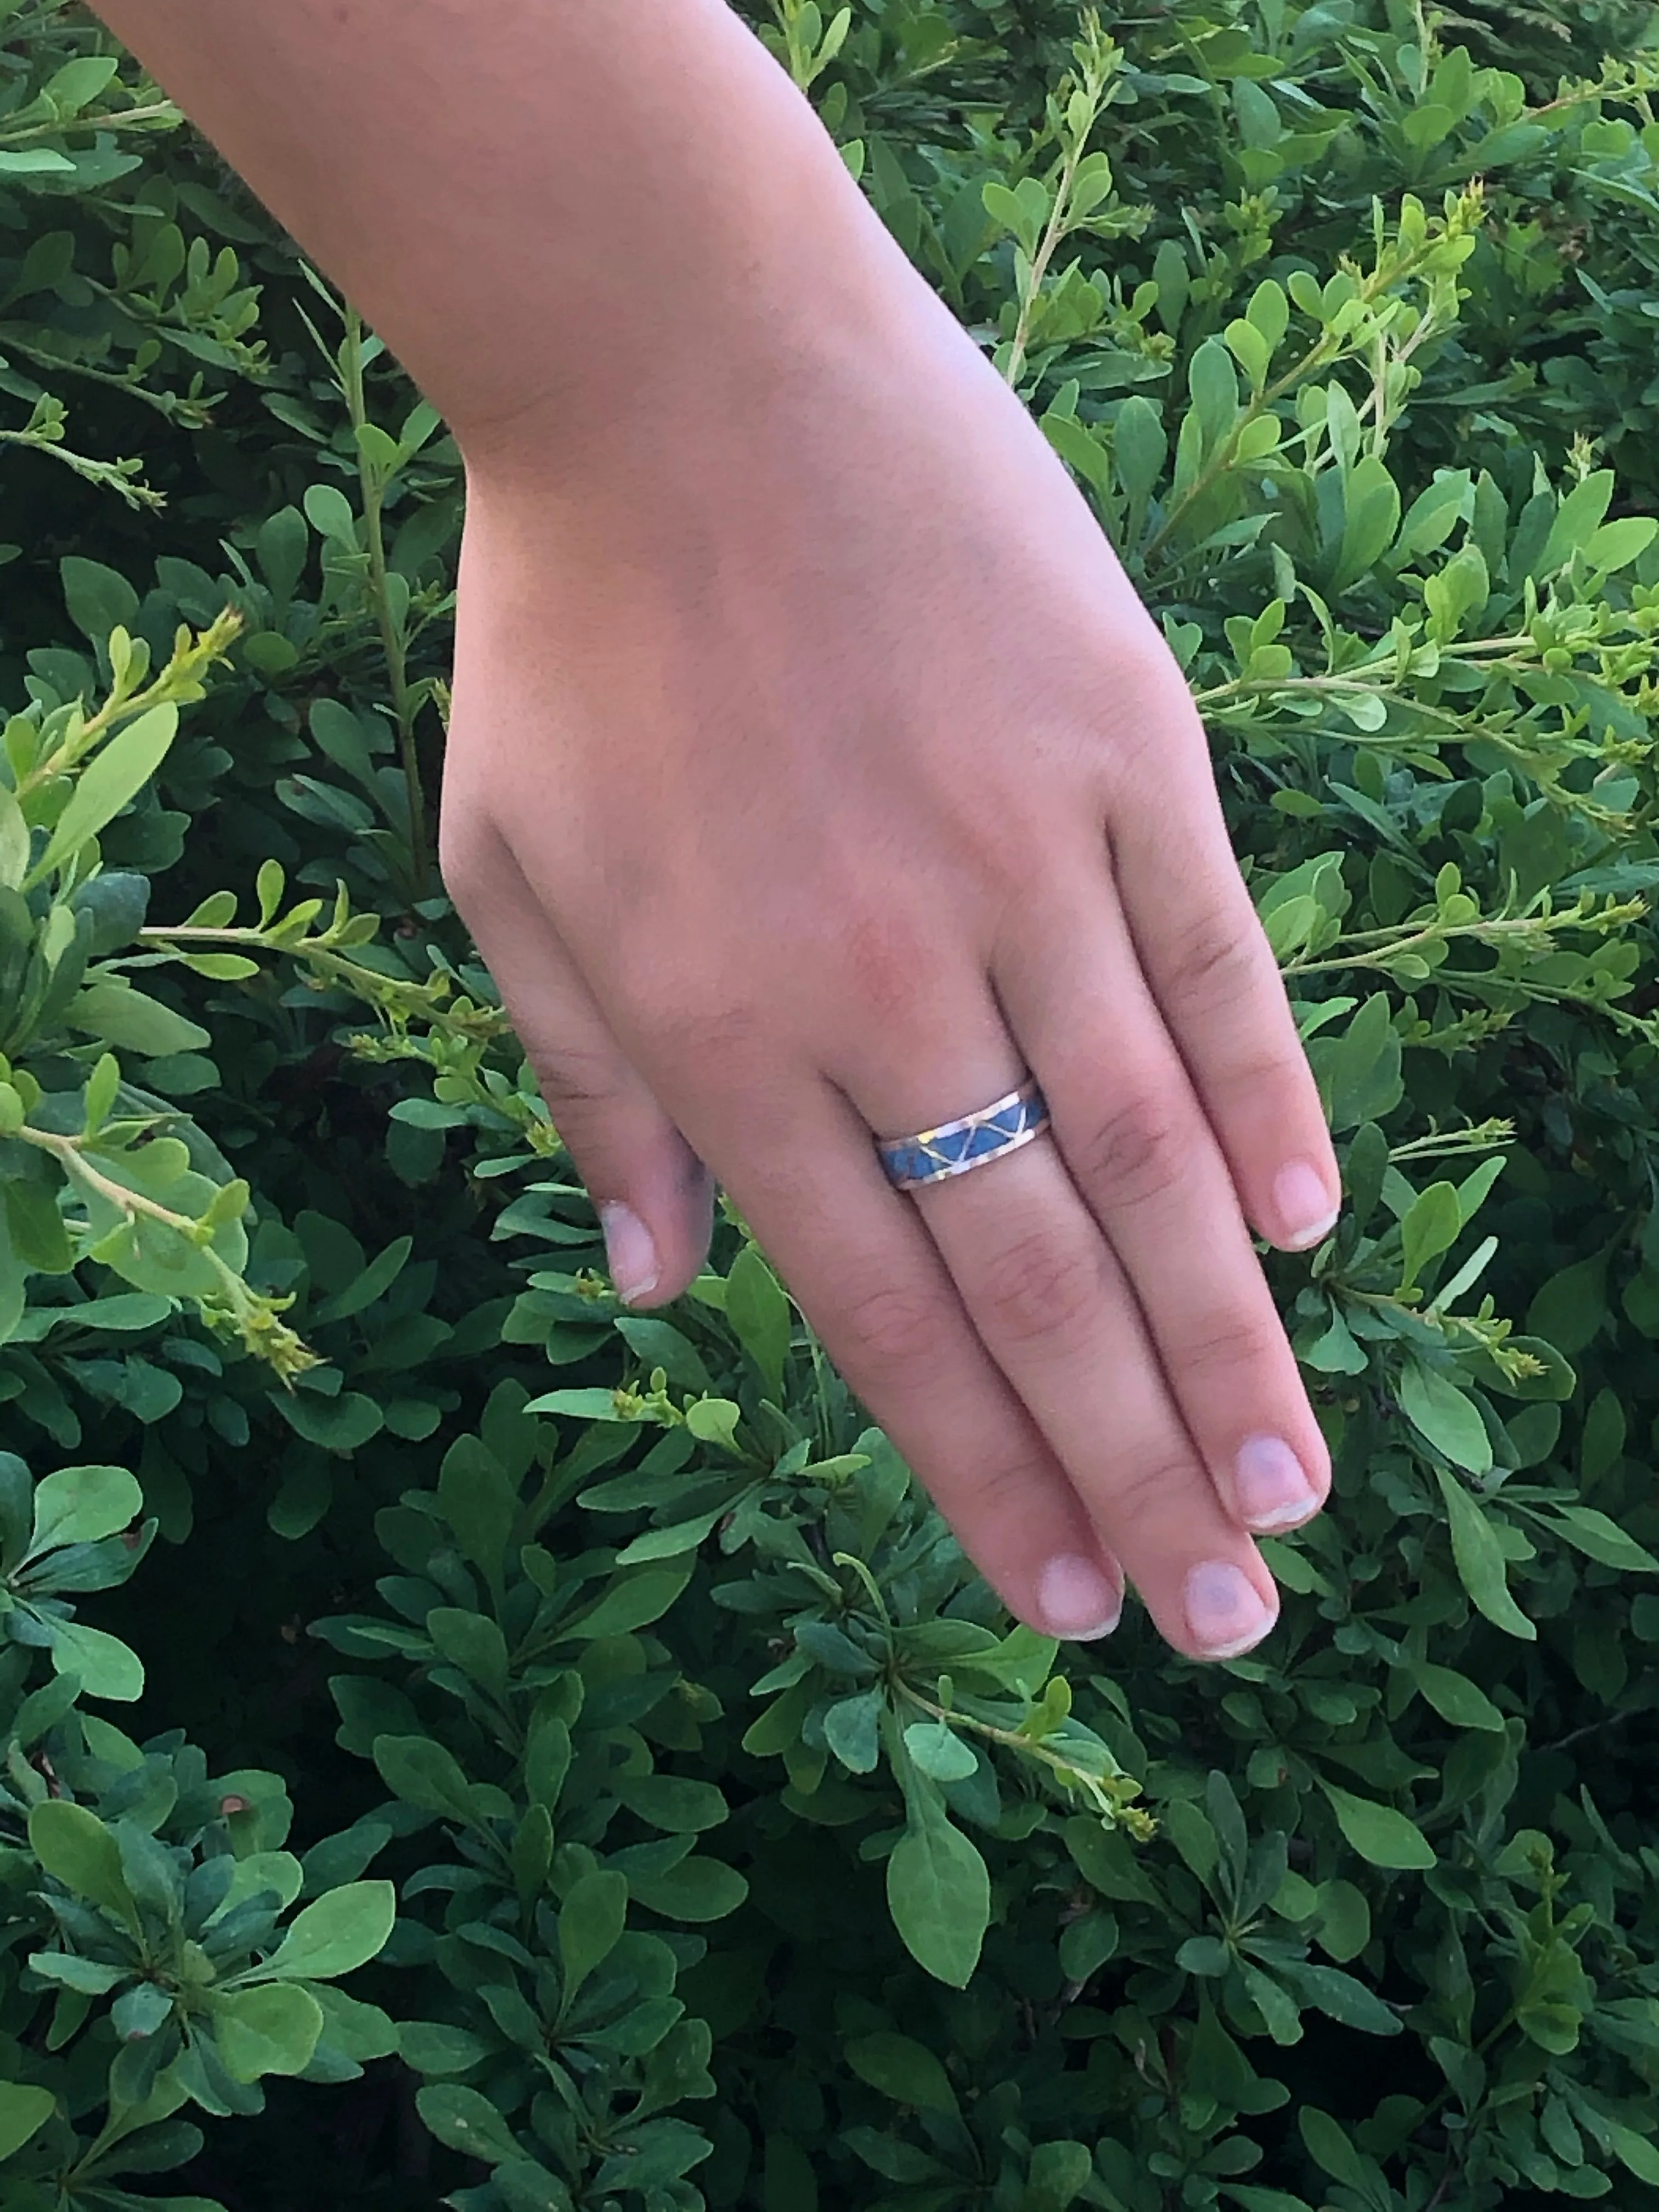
[741, 1852]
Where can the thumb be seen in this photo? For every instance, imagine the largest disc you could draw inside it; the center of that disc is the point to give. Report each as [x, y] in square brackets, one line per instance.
[654, 1198]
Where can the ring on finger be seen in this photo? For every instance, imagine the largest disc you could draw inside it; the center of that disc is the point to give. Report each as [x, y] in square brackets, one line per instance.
[973, 1140]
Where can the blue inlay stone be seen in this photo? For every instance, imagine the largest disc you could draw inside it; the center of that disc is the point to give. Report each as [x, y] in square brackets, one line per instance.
[956, 1146]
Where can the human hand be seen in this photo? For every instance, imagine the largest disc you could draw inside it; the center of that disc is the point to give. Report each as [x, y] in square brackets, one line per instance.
[814, 771]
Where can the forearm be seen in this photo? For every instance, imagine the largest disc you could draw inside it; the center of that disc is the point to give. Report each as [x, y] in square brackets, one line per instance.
[541, 205]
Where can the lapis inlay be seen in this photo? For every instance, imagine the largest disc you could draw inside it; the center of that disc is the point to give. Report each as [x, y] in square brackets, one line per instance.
[956, 1146]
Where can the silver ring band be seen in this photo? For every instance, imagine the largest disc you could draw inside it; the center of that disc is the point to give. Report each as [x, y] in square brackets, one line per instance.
[955, 1147]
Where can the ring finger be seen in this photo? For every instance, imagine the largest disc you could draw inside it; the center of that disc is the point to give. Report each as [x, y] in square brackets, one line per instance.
[1054, 1311]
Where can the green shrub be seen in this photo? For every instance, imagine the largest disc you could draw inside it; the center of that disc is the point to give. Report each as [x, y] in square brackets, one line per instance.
[743, 1854]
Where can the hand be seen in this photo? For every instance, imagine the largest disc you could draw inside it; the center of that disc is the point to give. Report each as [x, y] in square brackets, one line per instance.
[814, 771]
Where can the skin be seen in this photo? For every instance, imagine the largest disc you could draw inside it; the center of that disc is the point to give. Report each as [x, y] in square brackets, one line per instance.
[814, 770]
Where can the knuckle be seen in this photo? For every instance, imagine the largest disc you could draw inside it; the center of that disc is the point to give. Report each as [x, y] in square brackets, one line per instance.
[464, 862]
[887, 961]
[1225, 1344]
[1214, 959]
[894, 1328]
[1137, 1151]
[1047, 1284]
[689, 1020]
[995, 1491]
[1142, 1487]
[571, 1076]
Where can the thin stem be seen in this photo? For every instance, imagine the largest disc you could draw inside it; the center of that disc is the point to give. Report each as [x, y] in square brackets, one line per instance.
[368, 984]
[192, 413]
[180, 680]
[393, 645]
[1389, 947]
[58, 127]
[254, 1318]
[1590, 1728]
[1048, 246]
[1364, 677]
[103, 472]
[1109, 1807]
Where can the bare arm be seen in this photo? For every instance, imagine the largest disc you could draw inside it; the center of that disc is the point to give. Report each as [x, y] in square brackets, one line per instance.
[532, 201]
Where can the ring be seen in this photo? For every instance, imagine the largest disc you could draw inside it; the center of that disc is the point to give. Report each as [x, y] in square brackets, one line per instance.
[955, 1146]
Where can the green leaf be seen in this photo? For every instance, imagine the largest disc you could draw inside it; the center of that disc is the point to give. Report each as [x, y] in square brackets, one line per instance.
[280, 548]
[591, 1922]
[939, 1751]
[902, 2070]
[1381, 1836]
[714, 1421]
[105, 1666]
[79, 83]
[82, 1504]
[1370, 517]
[360, 2030]
[375, 1280]
[471, 1642]
[34, 162]
[851, 1728]
[90, 1975]
[1331, 2149]
[1005, 206]
[341, 1425]
[338, 1933]
[1455, 1698]
[1577, 523]
[1139, 447]
[466, 2121]
[132, 1021]
[1340, 1997]
[698, 1890]
[1439, 1410]
[938, 1891]
[1616, 544]
[1432, 1226]
[97, 599]
[673, 1802]
[1480, 1559]
[669, 1543]
[269, 2030]
[1059, 2173]
[1342, 1924]
[479, 1504]
[1599, 1538]
[73, 1844]
[1568, 1310]
[423, 1774]
[1633, 2151]
[758, 1309]
[430, 2047]
[329, 513]
[635, 1599]
[112, 777]
[658, 1344]
[25, 2108]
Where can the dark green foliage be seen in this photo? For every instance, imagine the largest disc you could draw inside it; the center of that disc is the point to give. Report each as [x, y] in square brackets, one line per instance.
[743, 1852]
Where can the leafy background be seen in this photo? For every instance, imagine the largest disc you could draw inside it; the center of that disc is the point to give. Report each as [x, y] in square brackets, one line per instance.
[466, 1743]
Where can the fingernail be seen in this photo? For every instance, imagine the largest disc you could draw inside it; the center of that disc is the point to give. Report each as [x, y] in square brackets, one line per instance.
[1076, 1601]
[1225, 1612]
[1272, 1491]
[1301, 1198]
[631, 1251]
